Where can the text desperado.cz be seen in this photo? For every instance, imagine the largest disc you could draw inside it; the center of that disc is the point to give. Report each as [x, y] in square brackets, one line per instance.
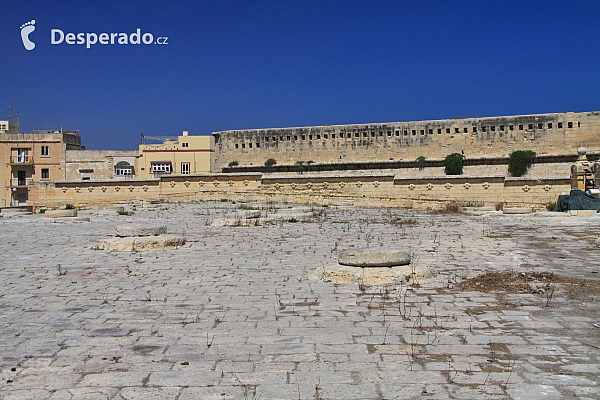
[57, 36]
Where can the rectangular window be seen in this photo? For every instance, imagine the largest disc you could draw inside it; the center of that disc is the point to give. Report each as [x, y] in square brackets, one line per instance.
[550, 125]
[511, 127]
[493, 128]
[422, 132]
[431, 131]
[560, 125]
[389, 133]
[456, 130]
[164, 168]
[257, 145]
[266, 139]
[439, 131]
[483, 129]
[520, 127]
[250, 145]
[447, 130]
[465, 130]
[45, 173]
[243, 145]
[530, 126]
[540, 126]
[325, 136]
[318, 137]
[502, 128]
[185, 168]
[45, 151]
[380, 134]
[237, 146]
[333, 135]
[185, 144]
[474, 129]
[295, 137]
[303, 137]
[414, 132]
[569, 124]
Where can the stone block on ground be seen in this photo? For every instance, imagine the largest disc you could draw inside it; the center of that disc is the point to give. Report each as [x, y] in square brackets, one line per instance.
[140, 230]
[141, 243]
[61, 213]
[517, 210]
[373, 257]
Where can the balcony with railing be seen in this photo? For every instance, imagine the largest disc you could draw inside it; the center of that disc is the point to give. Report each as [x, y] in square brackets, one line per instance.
[20, 182]
[21, 160]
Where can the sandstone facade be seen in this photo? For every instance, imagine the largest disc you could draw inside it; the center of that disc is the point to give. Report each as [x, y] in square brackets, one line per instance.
[474, 137]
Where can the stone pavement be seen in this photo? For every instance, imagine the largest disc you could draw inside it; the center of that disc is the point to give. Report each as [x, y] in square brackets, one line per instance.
[239, 312]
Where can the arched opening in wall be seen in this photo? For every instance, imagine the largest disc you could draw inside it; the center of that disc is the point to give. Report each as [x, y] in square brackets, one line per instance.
[124, 170]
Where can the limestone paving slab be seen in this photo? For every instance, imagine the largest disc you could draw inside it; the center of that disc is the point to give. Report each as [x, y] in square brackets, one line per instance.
[241, 309]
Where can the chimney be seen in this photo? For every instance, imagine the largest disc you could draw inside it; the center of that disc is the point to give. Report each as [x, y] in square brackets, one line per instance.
[185, 133]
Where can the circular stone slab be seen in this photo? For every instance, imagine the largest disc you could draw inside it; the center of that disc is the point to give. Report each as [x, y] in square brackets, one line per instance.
[139, 230]
[373, 257]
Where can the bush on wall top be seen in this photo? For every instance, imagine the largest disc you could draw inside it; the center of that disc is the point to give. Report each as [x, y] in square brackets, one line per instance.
[454, 164]
[519, 162]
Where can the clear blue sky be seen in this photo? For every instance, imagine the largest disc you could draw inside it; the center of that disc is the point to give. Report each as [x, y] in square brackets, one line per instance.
[260, 64]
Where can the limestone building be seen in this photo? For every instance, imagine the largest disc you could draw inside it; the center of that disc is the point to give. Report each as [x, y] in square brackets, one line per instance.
[183, 155]
[491, 136]
[88, 165]
[31, 157]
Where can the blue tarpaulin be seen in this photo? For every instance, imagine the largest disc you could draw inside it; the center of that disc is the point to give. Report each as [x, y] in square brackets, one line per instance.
[577, 200]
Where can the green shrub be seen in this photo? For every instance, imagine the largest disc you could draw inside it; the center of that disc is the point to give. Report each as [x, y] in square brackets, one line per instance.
[233, 164]
[69, 206]
[519, 162]
[292, 220]
[551, 206]
[270, 162]
[454, 164]
[499, 206]
[421, 162]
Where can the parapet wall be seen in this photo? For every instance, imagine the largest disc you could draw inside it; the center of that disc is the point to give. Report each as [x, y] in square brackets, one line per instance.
[474, 137]
[378, 189]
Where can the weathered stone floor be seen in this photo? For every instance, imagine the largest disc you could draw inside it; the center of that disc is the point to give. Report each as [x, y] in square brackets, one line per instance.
[239, 312]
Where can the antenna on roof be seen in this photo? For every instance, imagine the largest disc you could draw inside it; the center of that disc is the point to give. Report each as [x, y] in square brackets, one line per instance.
[13, 115]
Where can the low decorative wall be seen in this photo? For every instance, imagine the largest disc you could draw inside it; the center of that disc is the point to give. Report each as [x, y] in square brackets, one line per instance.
[366, 189]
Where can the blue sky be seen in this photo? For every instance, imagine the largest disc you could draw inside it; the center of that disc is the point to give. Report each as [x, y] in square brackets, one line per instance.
[261, 64]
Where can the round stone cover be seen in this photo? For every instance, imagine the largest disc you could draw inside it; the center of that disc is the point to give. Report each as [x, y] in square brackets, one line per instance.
[373, 257]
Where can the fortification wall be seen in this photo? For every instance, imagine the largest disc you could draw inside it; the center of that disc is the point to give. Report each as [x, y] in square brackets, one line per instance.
[378, 189]
[475, 137]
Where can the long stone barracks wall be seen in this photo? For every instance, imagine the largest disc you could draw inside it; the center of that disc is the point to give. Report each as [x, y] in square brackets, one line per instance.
[367, 190]
[475, 137]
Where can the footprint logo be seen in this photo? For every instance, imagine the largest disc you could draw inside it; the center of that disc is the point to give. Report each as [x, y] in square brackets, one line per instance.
[26, 29]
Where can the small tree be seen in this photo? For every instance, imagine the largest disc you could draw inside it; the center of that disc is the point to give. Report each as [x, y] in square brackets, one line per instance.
[270, 162]
[233, 164]
[421, 162]
[454, 164]
[519, 162]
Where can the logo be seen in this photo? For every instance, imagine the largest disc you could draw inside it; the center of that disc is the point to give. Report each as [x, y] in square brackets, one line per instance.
[26, 29]
[57, 36]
